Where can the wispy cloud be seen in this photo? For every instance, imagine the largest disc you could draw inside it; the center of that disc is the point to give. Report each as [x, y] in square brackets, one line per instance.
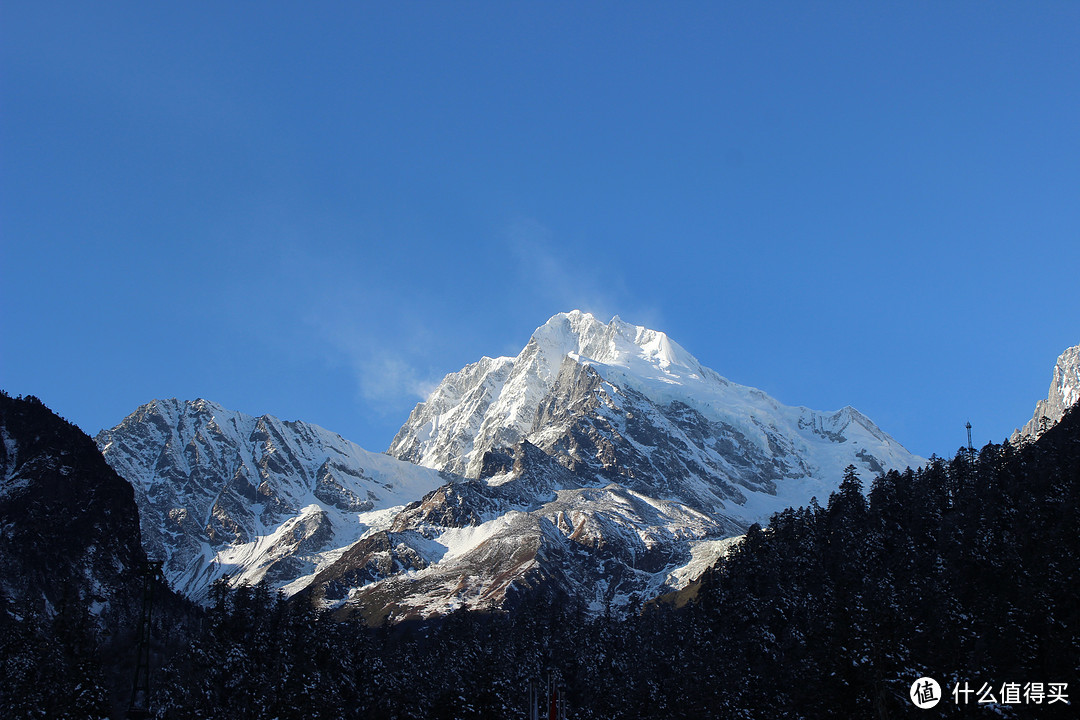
[354, 324]
[383, 330]
[384, 378]
[386, 365]
[558, 275]
[566, 277]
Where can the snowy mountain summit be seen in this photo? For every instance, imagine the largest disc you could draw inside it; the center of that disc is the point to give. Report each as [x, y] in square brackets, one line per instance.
[620, 402]
[496, 400]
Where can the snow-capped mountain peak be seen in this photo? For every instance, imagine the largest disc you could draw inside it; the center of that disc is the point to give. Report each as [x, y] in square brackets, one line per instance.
[575, 365]
[494, 400]
[605, 459]
[638, 349]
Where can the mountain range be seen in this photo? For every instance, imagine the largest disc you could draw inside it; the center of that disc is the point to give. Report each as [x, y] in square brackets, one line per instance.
[604, 460]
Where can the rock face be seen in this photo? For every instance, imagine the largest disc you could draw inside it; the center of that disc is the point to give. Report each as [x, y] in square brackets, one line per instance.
[69, 527]
[605, 461]
[221, 492]
[474, 544]
[1063, 394]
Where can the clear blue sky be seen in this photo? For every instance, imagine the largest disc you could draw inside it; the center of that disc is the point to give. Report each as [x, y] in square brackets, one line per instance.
[318, 212]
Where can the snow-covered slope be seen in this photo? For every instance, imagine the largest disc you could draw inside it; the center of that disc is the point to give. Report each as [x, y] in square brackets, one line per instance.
[220, 492]
[1063, 394]
[606, 460]
[477, 543]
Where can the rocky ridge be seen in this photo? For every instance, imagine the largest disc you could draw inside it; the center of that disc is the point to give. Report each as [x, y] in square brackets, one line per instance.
[1064, 392]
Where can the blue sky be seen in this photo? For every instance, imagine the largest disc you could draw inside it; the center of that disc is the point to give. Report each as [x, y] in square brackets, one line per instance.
[317, 213]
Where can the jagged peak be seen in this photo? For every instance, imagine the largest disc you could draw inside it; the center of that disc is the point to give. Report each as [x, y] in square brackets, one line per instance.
[617, 342]
[172, 406]
[480, 408]
[1064, 393]
[1067, 366]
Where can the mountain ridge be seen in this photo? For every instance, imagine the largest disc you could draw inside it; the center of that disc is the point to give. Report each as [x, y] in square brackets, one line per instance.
[1064, 392]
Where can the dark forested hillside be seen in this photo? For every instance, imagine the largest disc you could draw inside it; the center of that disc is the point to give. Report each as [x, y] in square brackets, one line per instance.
[965, 571]
[71, 566]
